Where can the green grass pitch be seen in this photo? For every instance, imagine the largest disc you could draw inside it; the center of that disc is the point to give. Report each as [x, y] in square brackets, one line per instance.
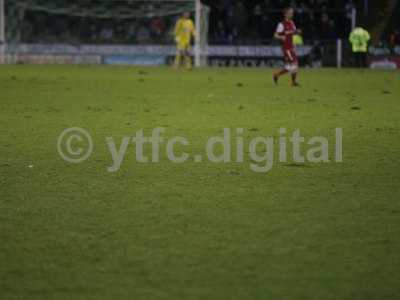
[197, 230]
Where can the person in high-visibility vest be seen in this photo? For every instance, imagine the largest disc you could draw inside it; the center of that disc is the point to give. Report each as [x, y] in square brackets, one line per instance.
[359, 39]
[298, 40]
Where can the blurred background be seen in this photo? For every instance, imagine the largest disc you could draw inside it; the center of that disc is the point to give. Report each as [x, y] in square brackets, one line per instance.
[326, 26]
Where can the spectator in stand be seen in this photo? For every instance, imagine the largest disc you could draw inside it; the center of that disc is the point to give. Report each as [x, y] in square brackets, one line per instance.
[157, 28]
[394, 39]
[107, 33]
[332, 32]
[230, 18]
[359, 39]
[143, 34]
[240, 18]
[266, 28]
[93, 33]
[256, 20]
[349, 7]
[327, 28]
[221, 35]
[324, 26]
[119, 32]
[131, 33]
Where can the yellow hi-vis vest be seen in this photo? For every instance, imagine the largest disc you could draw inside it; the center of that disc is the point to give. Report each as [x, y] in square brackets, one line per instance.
[359, 39]
[298, 40]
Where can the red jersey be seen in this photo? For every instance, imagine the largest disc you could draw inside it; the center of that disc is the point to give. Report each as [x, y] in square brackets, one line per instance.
[287, 29]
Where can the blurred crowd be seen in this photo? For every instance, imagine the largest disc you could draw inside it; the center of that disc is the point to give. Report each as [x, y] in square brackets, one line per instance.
[256, 20]
[231, 22]
[394, 38]
[40, 27]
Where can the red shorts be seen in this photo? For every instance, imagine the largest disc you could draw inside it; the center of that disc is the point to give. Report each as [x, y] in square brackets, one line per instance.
[290, 56]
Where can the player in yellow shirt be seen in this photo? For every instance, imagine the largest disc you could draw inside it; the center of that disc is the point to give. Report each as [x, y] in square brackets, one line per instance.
[184, 32]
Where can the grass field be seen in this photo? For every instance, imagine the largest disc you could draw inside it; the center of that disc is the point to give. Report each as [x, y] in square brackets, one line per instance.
[197, 230]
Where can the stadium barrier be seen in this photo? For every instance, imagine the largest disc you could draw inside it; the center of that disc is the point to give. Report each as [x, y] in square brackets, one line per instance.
[384, 57]
[322, 54]
[240, 56]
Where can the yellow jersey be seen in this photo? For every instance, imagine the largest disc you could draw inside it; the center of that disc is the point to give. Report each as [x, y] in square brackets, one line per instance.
[184, 31]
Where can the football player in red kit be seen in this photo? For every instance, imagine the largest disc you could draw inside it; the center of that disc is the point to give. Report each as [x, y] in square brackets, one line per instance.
[285, 32]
